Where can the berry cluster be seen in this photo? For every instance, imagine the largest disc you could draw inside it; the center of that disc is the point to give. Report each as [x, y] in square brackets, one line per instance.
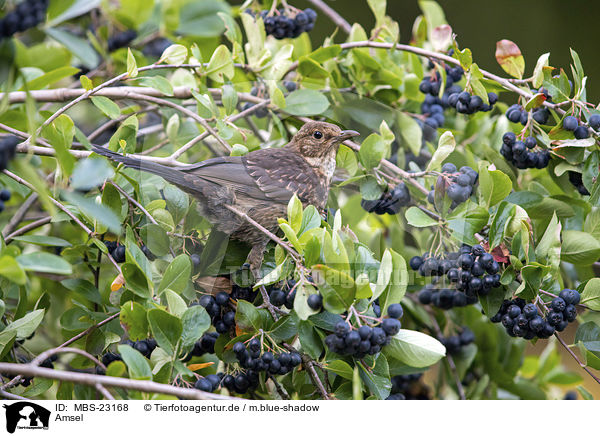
[468, 104]
[27, 14]
[580, 131]
[239, 383]
[445, 299]
[390, 201]
[433, 106]
[117, 251]
[275, 364]
[121, 39]
[220, 310]
[517, 114]
[522, 319]
[472, 269]
[521, 153]
[575, 178]
[454, 343]
[8, 146]
[205, 345]
[283, 26]
[279, 297]
[459, 184]
[365, 340]
[145, 346]
[408, 387]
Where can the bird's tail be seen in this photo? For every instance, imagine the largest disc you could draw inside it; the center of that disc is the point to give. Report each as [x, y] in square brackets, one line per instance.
[169, 174]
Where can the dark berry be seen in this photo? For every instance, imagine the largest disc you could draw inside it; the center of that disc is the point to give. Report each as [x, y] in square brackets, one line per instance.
[315, 301]
[391, 326]
[570, 123]
[395, 311]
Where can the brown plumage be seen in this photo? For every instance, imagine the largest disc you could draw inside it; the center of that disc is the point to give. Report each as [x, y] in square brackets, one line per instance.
[259, 184]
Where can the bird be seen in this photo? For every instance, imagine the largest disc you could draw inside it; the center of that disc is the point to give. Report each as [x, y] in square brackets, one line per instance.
[259, 184]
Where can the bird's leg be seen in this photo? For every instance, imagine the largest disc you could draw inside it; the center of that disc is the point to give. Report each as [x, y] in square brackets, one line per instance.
[255, 258]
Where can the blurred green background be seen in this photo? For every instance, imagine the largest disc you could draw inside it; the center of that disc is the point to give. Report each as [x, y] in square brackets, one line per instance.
[536, 26]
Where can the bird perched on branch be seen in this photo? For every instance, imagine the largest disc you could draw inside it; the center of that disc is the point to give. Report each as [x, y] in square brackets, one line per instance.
[259, 184]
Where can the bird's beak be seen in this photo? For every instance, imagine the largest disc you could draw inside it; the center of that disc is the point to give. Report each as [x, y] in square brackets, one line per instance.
[347, 134]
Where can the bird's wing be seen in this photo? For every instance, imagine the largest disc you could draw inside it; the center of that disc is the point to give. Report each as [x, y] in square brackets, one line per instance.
[280, 173]
[264, 175]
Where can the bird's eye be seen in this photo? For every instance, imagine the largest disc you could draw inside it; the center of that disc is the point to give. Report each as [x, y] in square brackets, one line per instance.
[317, 135]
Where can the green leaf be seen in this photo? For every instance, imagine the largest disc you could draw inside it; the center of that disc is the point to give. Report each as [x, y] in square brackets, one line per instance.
[45, 241]
[591, 294]
[60, 134]
[415, 349]
[494, 185]
[175, 304]
[396, 288]
[346, 158]
[51, 77]
[175, 54]
[501, 220]
[579, 248]
[306, 102]
[195, 322]
[134, 320]
[303, 291]
[411, 133]
[137, 364]
[177, 275]
[11, 269]
[157, 82]
[417, 218]
[510, 58]
[156, 239]
[230, 99]
[220, 65]
[132, 69]
[549, 247]
[166, 329]
[78, 46]
[25, 326]
[284, 328]
[336, 287]
[201, 18]
[107, 106]
[44, 262]
[446, 145]
[98, 212]
[372, 150]
[341, 368]
[75, 9]
[247, 316]
[90, 173]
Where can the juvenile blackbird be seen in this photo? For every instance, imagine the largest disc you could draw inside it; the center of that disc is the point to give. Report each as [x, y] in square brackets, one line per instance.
[259, 184]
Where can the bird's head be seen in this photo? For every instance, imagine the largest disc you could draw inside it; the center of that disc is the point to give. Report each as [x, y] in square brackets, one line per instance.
[317, 138]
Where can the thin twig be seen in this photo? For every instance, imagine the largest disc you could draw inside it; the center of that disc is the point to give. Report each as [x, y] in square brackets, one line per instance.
[280, 389]
[107, 381]
[583, 365]
[337, 19]
[26, 228]
[19, 214]
[100, 388]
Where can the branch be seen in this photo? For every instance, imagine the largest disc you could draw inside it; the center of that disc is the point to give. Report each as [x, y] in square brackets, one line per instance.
[337, 19]
[58, 204]
[115, 382]
[583, 365]
[19, 215]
